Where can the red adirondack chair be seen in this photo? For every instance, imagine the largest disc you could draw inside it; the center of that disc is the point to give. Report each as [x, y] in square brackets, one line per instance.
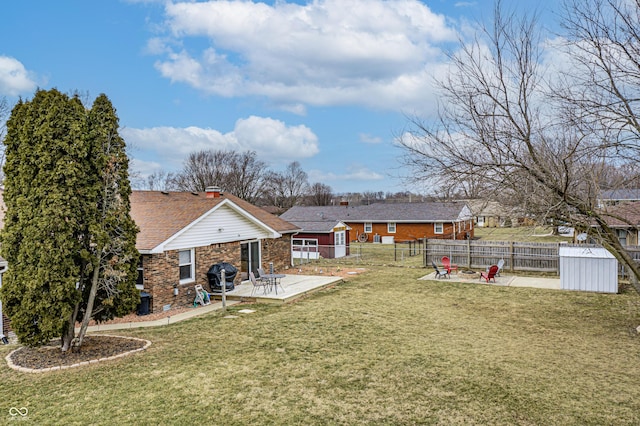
[448, 266]
[490, 274]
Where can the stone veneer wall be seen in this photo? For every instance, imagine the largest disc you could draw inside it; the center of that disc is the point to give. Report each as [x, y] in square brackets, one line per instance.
[161, 271]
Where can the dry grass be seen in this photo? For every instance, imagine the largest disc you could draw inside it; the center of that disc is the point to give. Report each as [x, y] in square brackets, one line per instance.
[383, 348]
[534, 234]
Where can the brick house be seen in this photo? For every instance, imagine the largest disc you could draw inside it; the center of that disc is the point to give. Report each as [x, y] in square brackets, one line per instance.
[390, 222]
[182, 234]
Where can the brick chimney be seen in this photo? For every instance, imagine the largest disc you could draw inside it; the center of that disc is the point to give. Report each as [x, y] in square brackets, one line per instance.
[213, 192]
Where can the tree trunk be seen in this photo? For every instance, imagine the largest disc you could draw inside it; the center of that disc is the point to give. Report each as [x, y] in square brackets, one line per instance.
[92, 297]
[70, 331]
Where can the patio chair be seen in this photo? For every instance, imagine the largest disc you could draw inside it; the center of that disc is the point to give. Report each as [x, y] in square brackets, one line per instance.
[261, 274]
[500, 265]
[258, 283]
[490, 274]
[446, 264]
[440, 273]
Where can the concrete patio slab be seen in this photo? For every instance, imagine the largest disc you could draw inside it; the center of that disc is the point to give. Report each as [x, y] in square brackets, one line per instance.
[504, 280]
[291, 287]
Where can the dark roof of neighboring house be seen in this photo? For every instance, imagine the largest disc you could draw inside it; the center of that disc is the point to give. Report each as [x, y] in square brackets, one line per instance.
[621, 194]
[377, 212]
[623, 215]
[160, 214]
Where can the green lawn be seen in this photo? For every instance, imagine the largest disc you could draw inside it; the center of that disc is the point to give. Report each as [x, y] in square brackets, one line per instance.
[383, 348]
[538, 234]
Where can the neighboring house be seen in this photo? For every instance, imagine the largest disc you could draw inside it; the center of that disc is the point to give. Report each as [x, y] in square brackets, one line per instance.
[182, 234]
[487, 214]
[492, 214]
[387, 223]
[615, 196]
[319, 238]
[625, 219]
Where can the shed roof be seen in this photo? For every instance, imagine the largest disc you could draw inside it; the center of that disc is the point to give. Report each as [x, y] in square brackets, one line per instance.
[588, 252]
[321, 227]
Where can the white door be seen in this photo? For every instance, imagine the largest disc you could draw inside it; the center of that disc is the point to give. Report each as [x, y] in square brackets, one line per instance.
[340, 244]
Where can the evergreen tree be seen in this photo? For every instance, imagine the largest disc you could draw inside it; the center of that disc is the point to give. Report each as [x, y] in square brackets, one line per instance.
[109, 290]
[41, 240]
[68, 237]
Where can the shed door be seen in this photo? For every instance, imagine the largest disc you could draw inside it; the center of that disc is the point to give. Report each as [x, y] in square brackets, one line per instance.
[340, 242]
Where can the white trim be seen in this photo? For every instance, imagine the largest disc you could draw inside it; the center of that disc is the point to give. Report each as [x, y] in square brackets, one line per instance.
[160, 247]
[435, 229]
[192, 262]
[370, 227]
[389, 227]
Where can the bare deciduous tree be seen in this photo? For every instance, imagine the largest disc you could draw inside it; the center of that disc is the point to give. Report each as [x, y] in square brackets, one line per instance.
[320, 194]
[503, 120]
[286, 189]
[240, 174]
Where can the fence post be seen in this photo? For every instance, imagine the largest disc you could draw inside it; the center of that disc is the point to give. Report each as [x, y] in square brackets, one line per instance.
[511, 256]
[469, 253]
[223, 284]
[424, 257]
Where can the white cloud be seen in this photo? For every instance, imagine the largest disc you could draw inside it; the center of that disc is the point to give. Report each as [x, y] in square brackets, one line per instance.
[272, 140]
[355, 172]
[366, 52]
[14, 77]
[366, 138]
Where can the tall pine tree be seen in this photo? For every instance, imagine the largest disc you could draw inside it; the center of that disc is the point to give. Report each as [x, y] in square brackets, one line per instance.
[109, 290]
[67, 223]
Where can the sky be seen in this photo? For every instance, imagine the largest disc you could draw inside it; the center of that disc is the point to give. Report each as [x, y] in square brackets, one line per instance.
[327, 83]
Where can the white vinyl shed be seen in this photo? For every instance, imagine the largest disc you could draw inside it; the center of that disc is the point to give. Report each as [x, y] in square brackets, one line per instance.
[588, 269]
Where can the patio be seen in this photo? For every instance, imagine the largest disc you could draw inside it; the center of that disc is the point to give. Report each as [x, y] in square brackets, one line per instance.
[292, 287]
[503, 280]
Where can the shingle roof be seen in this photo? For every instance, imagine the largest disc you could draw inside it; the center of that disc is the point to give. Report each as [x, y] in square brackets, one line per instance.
[624, 215]
[323, 226]
[378, 212]
[160, 214]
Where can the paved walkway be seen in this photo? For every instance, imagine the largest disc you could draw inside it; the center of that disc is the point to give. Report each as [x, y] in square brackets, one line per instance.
[201, 310]
[504, 280]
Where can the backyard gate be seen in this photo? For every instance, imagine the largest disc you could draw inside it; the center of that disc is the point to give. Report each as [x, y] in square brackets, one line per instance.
[588, 269]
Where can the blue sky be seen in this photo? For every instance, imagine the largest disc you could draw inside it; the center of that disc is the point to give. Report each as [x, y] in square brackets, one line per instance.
[328, 83]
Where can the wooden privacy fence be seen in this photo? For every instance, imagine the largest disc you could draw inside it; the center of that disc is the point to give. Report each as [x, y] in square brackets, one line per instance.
[518, 256]
[472, 254]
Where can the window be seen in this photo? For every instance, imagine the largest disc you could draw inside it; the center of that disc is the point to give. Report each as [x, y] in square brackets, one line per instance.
[438, 228]
[391, 227]
[140, 278]
[186, 263]
[368, 228]
[622, 236]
